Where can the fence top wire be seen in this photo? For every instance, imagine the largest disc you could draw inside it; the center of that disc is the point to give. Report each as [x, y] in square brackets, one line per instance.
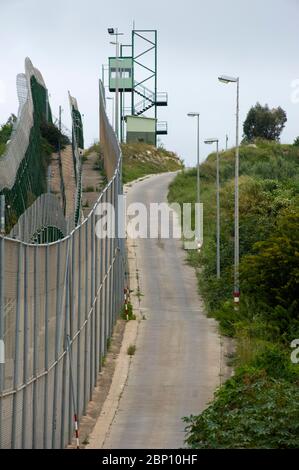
[19, 140]
[98, 201]
[117, 171]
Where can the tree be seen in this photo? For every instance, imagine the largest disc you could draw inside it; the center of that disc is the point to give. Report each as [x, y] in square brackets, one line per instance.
[6, 129]
[296, 142]
[263, 122]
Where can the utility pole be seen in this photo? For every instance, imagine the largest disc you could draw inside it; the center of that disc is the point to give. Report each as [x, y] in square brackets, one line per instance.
[195, 114]
[237, 241]
[218, 209]
[114, 32]
[211, 141]
[116, 87]
[225, 79]
[59, 138]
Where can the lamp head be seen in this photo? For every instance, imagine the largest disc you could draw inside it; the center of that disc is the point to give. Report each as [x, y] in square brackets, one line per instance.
[211, 141]
[225, 79]
[193, 114]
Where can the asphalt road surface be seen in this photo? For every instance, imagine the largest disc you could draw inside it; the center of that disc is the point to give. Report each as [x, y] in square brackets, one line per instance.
[177, 361]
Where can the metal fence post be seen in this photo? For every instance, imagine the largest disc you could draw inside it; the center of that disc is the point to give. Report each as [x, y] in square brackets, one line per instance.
[35, 350]
[92, 306]
[102, 309]
[57, 333]
[2, 280]
[111, 283]
[86, 315]
[46, 357]
[66, 313]
[17, 348]
[97, 308]
[113, 259]
[79, 324]
[106, 304]
[72, 399]
[25, 350]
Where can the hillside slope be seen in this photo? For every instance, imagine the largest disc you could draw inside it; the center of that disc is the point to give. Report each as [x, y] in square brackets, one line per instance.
[140, 159]
[248, 411]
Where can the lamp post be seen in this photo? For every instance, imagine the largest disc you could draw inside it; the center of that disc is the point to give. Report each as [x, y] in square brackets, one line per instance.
[197, 180]
[225, 79]
[195, 114]
[114, 32]
[212, 141]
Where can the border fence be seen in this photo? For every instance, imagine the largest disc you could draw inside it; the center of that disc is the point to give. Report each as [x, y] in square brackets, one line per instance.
[58, 305]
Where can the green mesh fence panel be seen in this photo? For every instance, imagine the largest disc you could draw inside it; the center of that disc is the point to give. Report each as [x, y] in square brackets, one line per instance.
[78, 127]
[31, 178]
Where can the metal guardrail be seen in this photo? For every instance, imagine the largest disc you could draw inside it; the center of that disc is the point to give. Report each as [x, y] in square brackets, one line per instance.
[162, 127]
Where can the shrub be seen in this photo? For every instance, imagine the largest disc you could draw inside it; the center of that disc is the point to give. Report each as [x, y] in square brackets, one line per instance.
[52, 134]
[131, 350]
[251, 410]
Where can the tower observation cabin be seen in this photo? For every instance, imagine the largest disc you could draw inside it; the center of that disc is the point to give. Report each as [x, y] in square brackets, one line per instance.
[134, 76]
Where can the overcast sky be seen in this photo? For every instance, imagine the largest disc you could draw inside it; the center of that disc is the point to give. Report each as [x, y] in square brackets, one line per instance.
[257, 40]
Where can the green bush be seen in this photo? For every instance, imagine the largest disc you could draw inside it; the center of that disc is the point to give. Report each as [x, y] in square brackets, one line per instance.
[31, 178]
[275, 361]
[251, 410]
[53, 136]
[271, 274]
[140, 159]
[256, 408]
[5, 132]
[130, 313]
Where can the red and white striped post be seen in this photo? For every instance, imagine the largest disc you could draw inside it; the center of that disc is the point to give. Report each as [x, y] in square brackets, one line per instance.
[76, 431]
[73, 393]
[236, 300]
[126, 303]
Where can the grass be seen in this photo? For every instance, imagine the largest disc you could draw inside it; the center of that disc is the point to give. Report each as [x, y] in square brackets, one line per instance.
[89, 189]
[131, 350]
[131, 315]
[2, 148]
[96, 147]
[253, 411]
[140, 159]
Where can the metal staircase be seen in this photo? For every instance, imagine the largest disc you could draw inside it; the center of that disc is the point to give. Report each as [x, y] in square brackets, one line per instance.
[149, 100]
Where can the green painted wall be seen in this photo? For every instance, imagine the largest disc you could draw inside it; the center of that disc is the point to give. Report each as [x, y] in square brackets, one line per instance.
[147, 137]
[140, 124]
[125, 78]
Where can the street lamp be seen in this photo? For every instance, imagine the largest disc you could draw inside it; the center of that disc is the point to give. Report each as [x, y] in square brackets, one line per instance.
[114, 32]
[197, 185]
[225, 79]
[212, 141]
[195, 114]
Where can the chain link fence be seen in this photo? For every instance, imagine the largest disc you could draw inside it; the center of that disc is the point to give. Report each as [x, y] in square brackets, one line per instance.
[58, 304]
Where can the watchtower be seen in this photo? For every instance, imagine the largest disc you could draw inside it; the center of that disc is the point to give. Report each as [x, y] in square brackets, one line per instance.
[136, 74]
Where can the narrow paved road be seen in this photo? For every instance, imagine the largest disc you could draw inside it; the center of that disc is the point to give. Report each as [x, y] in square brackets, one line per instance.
[176, 366]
